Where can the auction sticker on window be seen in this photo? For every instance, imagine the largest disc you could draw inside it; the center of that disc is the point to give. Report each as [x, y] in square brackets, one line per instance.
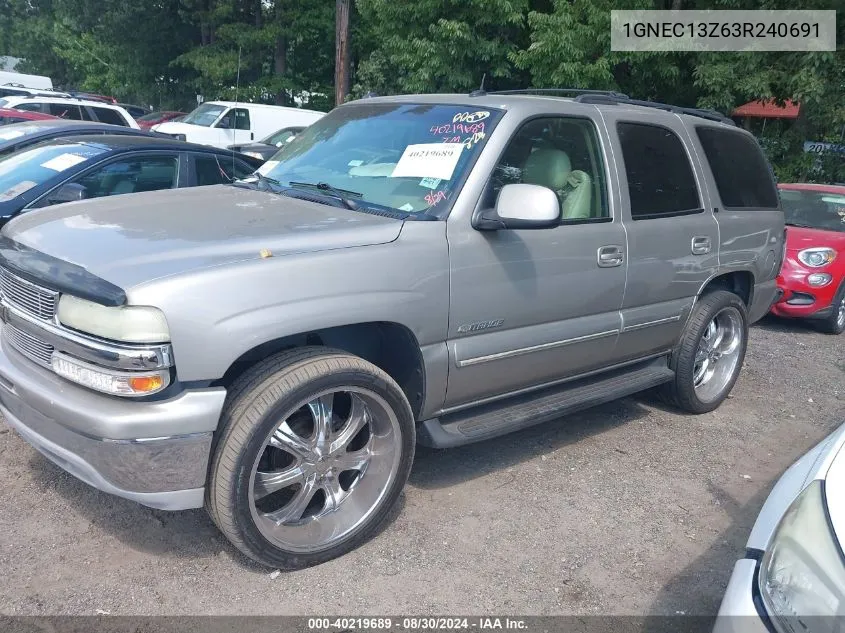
[428, 160]
[63, 161]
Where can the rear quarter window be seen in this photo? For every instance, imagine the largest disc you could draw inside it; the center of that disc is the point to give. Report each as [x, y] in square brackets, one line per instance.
[742, 175]
[107, 115]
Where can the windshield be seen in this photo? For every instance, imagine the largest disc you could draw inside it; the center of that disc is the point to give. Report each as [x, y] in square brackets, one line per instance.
[204, 115]
[21, 171]
[814, 209]
[4, 103]
[279, 137]
[408, 157]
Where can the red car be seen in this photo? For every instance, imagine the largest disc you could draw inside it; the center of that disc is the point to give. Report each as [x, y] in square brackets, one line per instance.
[813, 274]
[154, 118]
[8, 115]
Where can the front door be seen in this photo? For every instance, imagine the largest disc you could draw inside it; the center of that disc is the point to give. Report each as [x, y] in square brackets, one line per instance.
[535, 306]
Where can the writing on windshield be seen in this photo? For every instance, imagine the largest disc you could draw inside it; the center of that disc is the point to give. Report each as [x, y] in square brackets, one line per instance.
[409, 157]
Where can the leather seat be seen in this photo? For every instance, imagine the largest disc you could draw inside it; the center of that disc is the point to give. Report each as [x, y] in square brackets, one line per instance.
[552, 168]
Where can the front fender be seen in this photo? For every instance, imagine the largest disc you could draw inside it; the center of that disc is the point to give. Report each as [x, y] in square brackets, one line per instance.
[216, 315]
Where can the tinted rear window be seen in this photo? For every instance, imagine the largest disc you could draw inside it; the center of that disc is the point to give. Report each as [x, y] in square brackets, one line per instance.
[743, 177]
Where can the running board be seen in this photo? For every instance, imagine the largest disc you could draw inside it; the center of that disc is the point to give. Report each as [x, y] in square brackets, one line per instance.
[519, 412]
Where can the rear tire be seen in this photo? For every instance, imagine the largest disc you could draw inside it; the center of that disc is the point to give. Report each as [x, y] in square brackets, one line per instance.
[835, 323]
[315, 447]
[710, 354]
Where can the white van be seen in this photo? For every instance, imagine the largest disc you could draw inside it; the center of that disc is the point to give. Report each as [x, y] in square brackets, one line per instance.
[225, 123]
[26, 81]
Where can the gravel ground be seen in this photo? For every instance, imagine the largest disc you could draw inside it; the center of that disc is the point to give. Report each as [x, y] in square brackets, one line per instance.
[625, 509]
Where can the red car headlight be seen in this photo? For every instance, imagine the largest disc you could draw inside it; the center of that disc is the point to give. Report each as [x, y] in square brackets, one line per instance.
[817, 257]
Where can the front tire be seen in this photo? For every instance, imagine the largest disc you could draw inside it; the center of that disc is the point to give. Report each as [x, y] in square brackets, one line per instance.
[315, 447]
[710, 354]
[835, 323]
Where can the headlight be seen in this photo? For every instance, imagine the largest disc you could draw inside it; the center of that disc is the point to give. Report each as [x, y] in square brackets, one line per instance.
[817, 257]
[118, 383]
[130, 324]
[255, 155]
[802, 575]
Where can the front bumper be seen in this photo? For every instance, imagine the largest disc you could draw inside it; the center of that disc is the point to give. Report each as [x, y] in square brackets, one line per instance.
[155, 453]
[800, 299]
[738, 613]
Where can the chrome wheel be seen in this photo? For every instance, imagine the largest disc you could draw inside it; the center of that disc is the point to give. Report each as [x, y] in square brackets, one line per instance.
[324, 469]
[718, 354]
[840, 315]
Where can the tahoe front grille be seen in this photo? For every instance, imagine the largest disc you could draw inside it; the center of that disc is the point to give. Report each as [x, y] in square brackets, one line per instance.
[33, 348]
[28, 297]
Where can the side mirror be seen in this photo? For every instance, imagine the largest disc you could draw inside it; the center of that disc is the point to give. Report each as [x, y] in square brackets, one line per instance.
[223, 124]
[68, 192]
[521, 207]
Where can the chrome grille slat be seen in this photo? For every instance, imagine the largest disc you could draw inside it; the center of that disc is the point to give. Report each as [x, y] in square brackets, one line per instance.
[32, 299]
[33, 348]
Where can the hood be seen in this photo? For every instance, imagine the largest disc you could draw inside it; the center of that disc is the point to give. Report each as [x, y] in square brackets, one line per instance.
[131, 239]
[835, 493]
[826, 460]
[798, 238]
[177, 127]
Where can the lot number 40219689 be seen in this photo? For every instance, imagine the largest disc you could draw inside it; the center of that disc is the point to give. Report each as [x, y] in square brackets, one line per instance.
[415, 624]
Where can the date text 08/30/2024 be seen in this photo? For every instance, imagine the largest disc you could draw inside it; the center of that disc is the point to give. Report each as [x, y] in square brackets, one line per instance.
[416, 624]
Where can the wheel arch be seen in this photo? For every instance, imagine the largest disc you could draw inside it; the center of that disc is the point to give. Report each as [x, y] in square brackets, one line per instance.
[389, 345]
[740, 282]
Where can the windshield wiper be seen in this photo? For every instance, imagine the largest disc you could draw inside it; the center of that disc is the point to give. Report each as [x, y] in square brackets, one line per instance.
[800, 225]
[340, 194]
[255, 177]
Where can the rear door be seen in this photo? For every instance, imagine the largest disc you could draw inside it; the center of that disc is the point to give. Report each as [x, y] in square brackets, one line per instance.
[673, 237]
[65, 111]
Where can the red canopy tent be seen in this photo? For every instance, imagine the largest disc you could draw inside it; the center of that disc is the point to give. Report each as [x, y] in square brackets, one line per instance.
[767, 110]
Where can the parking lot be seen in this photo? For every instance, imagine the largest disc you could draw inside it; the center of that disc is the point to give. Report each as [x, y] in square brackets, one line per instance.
[625, 509]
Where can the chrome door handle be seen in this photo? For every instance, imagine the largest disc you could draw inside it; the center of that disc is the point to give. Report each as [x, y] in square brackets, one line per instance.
[610, 256]
[701, 245]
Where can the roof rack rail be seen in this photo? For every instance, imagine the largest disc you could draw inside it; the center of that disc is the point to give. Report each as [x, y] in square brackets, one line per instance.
[703, 113]
[560, 91]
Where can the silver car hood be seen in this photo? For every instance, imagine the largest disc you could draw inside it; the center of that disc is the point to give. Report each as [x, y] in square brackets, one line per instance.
[131, 239]
[825, 461]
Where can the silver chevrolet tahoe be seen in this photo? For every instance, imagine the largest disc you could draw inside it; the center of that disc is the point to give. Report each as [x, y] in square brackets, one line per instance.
[439, 269]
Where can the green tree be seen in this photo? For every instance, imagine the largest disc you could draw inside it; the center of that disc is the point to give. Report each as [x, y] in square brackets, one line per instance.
[439, 45]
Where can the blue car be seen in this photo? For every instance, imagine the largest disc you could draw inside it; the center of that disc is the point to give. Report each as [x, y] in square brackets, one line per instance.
[93, 166]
